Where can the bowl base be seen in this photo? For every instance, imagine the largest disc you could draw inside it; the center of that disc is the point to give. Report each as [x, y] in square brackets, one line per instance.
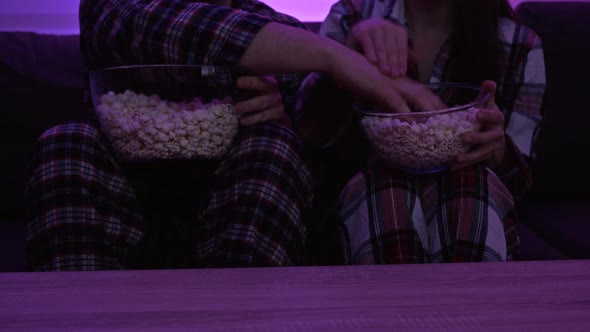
[422, 171]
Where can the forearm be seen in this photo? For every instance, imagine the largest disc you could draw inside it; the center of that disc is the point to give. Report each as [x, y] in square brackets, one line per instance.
[279, 48]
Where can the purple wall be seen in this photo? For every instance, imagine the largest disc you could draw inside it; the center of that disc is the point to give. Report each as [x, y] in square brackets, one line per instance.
[60, 16]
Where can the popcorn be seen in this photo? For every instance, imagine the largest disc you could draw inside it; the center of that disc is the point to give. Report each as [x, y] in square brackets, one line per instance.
[421, 146]
[147, 127]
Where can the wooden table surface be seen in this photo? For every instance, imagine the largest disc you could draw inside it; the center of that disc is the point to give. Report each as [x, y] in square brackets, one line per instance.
[516, 296]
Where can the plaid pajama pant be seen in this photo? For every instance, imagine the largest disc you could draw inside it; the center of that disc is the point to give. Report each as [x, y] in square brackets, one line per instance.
[387, 216]
[83, 213]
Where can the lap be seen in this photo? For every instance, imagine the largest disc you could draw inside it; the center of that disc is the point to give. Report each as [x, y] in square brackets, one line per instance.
[382, 205]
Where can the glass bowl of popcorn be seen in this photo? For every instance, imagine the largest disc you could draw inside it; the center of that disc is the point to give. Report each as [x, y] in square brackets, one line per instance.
[425, 141]
[165, 112]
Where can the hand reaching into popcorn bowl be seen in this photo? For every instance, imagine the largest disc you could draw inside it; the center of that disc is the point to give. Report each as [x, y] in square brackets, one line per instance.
[429, 141]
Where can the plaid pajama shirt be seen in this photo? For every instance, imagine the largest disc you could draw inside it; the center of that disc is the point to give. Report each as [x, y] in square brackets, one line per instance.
[83, 212]
[387, 216]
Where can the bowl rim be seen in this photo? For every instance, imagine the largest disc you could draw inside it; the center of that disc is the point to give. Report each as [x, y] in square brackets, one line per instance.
[159, 65]
[481, 98]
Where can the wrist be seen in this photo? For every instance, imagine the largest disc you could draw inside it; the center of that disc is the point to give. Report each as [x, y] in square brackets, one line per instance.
[330, 55]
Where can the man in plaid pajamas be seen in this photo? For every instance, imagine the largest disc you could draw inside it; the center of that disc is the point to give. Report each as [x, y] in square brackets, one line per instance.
[467, 214]
[83, 212]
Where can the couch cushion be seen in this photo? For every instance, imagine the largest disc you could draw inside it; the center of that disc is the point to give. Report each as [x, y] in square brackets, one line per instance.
[12, 246]
[41, 84]
[564, 139]
[50, 59]
[562, 224]
[534, 247]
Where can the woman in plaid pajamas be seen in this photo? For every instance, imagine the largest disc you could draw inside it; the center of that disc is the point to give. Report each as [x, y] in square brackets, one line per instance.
[83, 209]
[467, 213]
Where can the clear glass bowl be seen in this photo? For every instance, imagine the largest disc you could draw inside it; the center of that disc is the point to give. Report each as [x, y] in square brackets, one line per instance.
[165, 112]
[425, 141]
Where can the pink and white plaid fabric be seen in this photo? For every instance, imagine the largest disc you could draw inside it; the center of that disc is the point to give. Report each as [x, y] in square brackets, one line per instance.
[387, 216]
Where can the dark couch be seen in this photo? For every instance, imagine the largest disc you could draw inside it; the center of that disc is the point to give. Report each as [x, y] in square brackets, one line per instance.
[42, 84]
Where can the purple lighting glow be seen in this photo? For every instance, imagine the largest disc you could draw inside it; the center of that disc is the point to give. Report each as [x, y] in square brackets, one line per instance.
[305, 10]
[61, 16]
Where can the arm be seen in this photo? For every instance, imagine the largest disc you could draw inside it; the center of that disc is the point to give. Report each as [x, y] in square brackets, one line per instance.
[177, 31]
[277, 48]
[117, 32]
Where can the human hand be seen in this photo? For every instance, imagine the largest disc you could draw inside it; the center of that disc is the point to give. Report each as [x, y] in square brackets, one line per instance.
[354, 72]
[384, 43]
[418, 95]
[266, 106]
[490, 143]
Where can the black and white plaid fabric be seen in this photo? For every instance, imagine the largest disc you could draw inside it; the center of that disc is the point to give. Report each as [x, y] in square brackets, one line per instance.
[83, 213]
